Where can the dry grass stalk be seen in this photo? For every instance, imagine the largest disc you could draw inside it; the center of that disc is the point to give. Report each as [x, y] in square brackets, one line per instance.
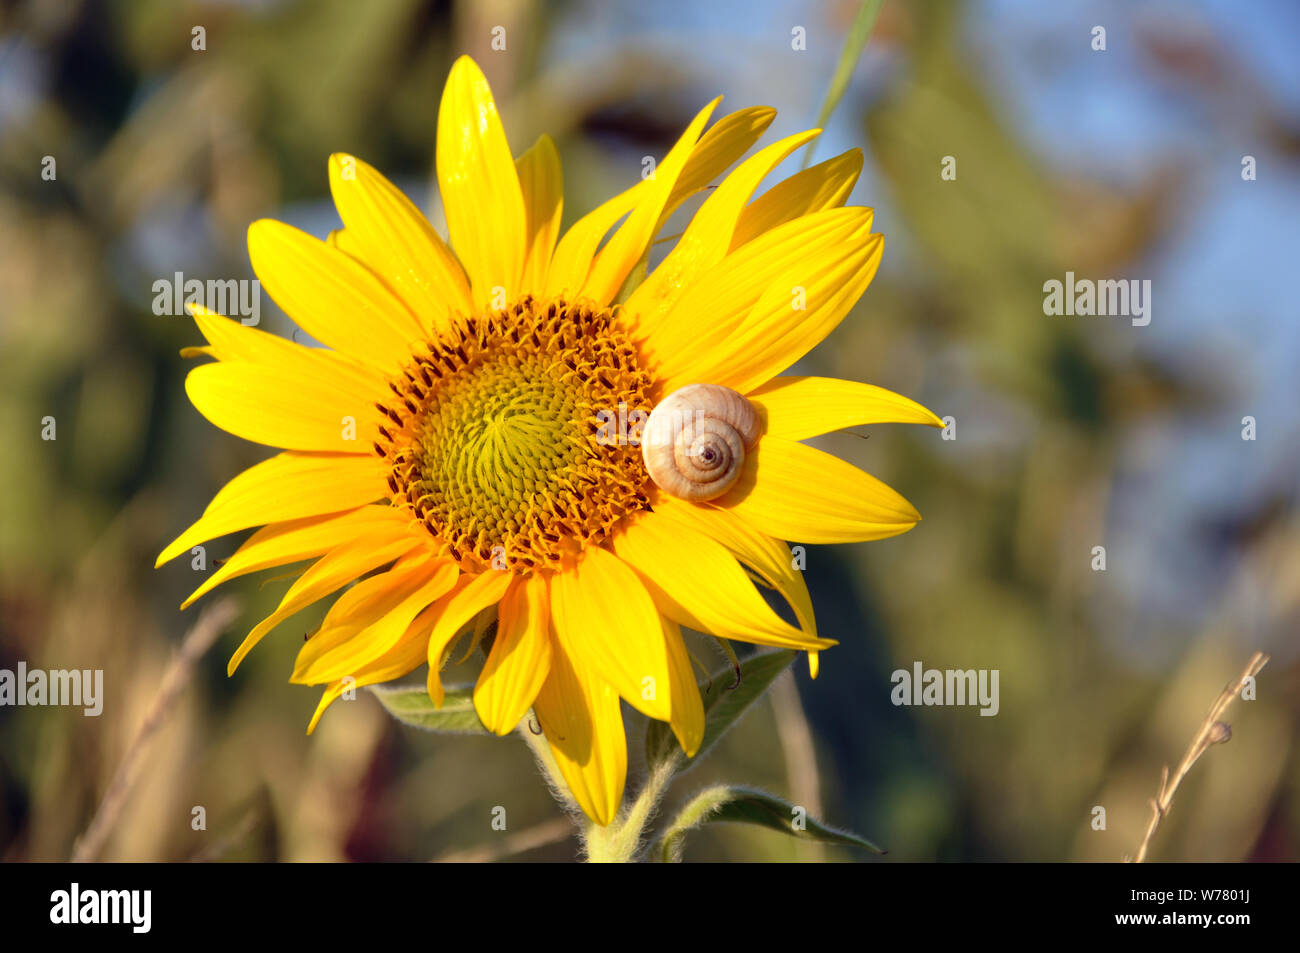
[197, 641]
[1213, 731]
[539, 835]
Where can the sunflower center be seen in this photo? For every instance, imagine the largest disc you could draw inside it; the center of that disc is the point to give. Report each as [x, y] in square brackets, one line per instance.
[503, 439]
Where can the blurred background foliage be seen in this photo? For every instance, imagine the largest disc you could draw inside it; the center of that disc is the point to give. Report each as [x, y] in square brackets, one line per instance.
[1070, 432]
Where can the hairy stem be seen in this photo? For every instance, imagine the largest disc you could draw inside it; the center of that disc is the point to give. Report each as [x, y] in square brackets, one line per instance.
[620, 842]
[541, 749]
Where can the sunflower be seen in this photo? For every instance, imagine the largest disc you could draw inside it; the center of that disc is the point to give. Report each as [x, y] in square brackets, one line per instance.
[461, 444]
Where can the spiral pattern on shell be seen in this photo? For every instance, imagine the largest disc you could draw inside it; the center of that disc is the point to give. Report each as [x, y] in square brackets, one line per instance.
[694, 443]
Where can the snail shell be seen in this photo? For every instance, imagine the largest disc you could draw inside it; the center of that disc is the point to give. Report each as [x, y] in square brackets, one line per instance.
[695, 440]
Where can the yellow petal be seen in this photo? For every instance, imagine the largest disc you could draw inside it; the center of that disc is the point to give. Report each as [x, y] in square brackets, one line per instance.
[688, 708]
[696, 582]
[520, 657]
[288, 486]
[543, 188]
[795, 408]
[714, 307]
[340, 239]
[792, 317]
[792, 491]
[617, 259]
[281, 544]
[770, 559]
[575, 251]
[332, 296]
[468, 600]
[387, 232]
[330, 573]
[609, 626]
[583, 722]
[709, 235]
[232, 341]
[724, 142]
[285, 406]
[369, 619]
[400, 660]
[825, 185]
[476, 634]
[480, 188]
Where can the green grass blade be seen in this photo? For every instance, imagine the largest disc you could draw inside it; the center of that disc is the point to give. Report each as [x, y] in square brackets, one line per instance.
[853, 47]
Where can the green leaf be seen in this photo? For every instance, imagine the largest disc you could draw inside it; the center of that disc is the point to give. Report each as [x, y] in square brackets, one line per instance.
[853, 46]
[725, 699]
[411, 705]
[739, 805]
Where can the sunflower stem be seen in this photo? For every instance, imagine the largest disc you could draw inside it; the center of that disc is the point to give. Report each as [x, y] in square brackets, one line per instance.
[541, 750]
[620, 842]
